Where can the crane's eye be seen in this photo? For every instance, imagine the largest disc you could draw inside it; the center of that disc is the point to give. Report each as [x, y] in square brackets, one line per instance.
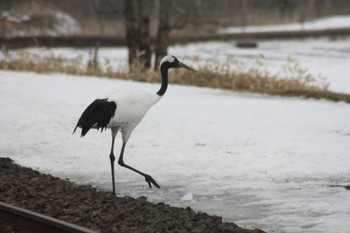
[175, 59]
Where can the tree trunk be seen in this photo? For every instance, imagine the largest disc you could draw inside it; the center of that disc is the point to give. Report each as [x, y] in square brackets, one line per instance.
[144, 40]
[131, 37]
[161, 46]
[137, 21]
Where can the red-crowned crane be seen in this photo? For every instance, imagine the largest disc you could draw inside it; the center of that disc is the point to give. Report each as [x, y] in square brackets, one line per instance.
[122, 111]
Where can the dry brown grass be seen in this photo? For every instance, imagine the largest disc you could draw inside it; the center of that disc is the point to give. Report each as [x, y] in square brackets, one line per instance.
[291, 80]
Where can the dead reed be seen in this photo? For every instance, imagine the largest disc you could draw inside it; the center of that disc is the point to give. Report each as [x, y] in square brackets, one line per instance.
[290, 80]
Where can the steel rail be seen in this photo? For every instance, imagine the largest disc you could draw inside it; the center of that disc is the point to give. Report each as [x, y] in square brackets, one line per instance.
[29, 221]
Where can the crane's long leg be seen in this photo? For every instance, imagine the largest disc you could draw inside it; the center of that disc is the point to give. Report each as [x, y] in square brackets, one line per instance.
[112, 158]
[148, 178]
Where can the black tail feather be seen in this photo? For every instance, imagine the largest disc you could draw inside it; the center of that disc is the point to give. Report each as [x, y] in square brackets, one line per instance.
[98, 113]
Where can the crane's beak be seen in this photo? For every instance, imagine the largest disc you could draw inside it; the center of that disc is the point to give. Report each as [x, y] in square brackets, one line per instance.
[186, 67]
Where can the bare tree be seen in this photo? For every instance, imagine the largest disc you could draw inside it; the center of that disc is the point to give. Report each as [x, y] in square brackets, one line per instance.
[130, 22]
[136, 15]
[139, 42]
[162, 37]
[171, 15]
[143, 28]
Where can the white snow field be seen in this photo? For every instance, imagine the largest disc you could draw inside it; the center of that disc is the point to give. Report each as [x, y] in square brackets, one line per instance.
[331, 22]
[328, 58]
[257, 160]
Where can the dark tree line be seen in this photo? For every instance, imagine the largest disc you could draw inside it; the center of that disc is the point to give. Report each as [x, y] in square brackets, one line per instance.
[148, 25]
[164, 16]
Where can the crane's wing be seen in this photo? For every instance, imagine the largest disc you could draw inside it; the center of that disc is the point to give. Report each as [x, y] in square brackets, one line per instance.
[96, 115]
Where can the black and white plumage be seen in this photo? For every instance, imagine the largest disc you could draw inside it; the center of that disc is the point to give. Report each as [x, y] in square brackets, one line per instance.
[123, 110]
[97, 114]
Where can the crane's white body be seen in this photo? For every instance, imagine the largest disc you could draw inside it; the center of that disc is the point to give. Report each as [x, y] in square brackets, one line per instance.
[132, 105]
[123, 110]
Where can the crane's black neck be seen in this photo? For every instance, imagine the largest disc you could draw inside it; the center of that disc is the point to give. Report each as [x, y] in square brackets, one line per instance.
[164, 73]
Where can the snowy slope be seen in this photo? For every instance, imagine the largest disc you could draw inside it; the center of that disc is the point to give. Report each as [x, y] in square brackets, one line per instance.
[257, 160]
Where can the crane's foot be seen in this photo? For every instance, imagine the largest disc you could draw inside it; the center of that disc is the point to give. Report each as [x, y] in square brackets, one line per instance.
[151, 181]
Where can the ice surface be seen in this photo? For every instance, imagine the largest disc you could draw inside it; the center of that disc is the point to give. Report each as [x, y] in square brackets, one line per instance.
[257, 160]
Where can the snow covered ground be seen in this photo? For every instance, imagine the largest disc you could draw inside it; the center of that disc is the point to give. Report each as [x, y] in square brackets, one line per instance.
[328, 58]
[257, 160]
[332, 22]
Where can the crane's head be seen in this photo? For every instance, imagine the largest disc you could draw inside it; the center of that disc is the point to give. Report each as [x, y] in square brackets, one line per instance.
[170, 61]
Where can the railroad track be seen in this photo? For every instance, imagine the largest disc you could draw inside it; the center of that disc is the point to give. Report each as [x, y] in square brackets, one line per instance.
[31, 222]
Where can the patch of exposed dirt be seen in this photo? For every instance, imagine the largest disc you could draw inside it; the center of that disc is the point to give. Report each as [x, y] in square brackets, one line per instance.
[347, 187]
[98, 210]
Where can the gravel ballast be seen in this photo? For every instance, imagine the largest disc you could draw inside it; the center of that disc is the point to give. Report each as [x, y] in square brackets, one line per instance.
[97, 210]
